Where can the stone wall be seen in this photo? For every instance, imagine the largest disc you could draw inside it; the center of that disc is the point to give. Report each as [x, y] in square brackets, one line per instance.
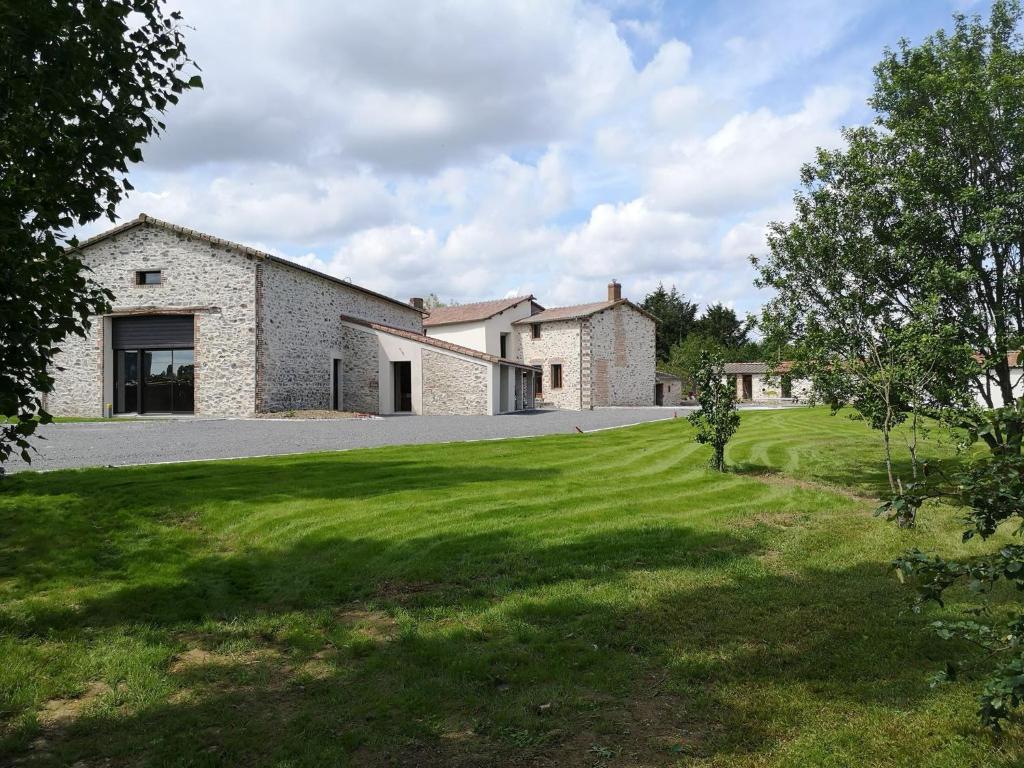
[361, 385]
[622, 357]
[454, 385]
[671, 391]
[768, 387]
[559, 343]
[301, 334]
[195, 274]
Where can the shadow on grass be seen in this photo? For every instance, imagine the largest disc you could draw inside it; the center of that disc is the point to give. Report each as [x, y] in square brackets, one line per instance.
[650, 643]
[98, 523]
[436, 570]
[520, 678]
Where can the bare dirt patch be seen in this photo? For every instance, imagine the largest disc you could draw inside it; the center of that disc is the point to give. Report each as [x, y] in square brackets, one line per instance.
[372, 625]
[400, 591]
[770, 520]
[777, 478]
[59, 713]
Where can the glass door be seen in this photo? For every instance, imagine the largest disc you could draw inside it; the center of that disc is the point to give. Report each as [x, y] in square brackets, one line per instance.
[154, 381]
[126, 381]
[183, 365]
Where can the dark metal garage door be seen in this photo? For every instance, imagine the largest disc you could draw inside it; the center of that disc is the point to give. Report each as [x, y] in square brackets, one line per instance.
[153, 332]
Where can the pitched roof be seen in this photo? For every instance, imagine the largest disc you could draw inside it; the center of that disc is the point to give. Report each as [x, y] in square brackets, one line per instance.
[468, 313]
[421, 338]
[666, 376]
[783, 367]
[1013, 359]
[579, 311]
[228, 245]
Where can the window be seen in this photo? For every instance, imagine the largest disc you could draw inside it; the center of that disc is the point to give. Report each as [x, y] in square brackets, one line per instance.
[535, 331]
[556, 376]
[151, 277]
[504, 345]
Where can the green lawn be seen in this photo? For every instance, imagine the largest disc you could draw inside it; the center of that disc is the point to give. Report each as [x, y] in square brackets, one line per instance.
[579, 600]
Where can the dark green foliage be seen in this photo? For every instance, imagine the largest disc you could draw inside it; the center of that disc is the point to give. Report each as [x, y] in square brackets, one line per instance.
[675, 318]
[905, 260]
[81, 84]
[720, 324]
[990, 490]
[922, 212]
[718, 418]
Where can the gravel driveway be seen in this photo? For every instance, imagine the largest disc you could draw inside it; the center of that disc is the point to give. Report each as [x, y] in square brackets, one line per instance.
[124, 441]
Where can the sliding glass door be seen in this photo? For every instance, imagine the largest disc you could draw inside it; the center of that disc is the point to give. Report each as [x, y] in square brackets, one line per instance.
[154, 381]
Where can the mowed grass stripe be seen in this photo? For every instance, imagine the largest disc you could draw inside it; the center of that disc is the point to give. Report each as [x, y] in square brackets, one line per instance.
[568, 600]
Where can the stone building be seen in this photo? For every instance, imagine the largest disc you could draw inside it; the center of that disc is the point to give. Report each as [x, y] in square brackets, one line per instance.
[485, 326]
[206, 326]
[759, 383]
[586, 356]
[668, 389]
[592, 355]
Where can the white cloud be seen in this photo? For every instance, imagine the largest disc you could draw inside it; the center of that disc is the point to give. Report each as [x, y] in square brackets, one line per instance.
[751, 160]
[631, 239]
[480, 149]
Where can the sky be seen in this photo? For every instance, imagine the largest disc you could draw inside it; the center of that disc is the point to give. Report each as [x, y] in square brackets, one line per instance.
[477, 150]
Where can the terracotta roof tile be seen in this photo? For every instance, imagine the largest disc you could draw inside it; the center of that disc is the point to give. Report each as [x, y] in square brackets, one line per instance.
[758, 367]
[421, 338]
[468, 313]
[578, 311]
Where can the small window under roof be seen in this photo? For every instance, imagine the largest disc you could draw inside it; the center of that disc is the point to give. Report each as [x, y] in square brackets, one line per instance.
[148, 277]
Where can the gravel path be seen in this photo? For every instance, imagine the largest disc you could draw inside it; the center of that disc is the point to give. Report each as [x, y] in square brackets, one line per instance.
[124, 442]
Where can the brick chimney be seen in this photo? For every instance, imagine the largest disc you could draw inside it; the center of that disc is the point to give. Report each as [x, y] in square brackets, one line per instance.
[416, 302]
[614, 291]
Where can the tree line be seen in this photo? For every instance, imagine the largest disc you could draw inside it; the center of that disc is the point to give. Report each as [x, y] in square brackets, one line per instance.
[684, 334]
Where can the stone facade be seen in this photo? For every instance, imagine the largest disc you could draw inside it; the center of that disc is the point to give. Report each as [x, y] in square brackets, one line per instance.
[266, 333]
[622, 357]
[453, 385]
[607, 358]
[768, 388]
[300, 327]
[559, 343]
[361, 386]
[198, 278]
[671, 389]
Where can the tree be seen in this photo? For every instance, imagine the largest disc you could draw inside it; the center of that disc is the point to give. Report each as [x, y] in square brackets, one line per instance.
[675, 318]
[720, 324]
[433, 301]
[900, 282]
[718, 419]
[991, 491]
[81, 86]
[927, 203]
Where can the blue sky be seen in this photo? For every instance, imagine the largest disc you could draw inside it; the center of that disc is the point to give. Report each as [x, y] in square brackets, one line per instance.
[476, 150]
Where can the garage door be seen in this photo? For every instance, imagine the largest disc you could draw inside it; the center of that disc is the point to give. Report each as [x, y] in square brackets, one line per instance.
[153, 332]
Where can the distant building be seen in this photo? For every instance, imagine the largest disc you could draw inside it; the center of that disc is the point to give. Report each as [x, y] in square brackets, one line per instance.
[586, 356]
[760, 383]
[668, 388]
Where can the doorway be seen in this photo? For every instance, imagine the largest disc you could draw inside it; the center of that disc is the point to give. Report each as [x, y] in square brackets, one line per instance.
[336, 385]
[659, 394]
[401, 375]
[748, 386]
[154, 381]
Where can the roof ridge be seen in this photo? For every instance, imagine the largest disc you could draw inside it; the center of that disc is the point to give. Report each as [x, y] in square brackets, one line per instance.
[231, 245]
[473, 312]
